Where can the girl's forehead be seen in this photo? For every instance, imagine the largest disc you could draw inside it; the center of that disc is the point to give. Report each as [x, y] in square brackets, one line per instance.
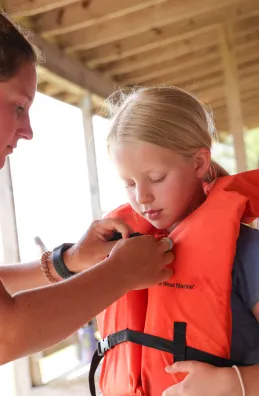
[143, 156]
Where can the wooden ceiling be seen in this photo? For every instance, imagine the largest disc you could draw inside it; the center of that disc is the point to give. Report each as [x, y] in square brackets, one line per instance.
[101, 45]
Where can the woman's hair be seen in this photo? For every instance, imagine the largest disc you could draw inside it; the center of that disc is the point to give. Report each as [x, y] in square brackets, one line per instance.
[167, 117]
[15, 48]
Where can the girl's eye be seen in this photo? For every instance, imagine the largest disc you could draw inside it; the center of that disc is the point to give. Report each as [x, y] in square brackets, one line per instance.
[158, 180]
[19, 109]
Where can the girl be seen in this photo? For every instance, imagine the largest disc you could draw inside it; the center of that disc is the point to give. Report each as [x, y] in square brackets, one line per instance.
[160, 142]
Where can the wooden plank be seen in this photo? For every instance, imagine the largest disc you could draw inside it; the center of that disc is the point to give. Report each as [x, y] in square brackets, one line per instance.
[210, 69]
[244, 50]
[162, 54]
[69, 69]
[11, 253]
[87, 113]
[233, 98]
[84, 14]
[171, 33]
[153, 71]
[245, 96]
[129, 25]
[248, 64]
[22, 8]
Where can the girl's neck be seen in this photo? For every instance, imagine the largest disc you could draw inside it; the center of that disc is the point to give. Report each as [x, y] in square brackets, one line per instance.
[196, 202]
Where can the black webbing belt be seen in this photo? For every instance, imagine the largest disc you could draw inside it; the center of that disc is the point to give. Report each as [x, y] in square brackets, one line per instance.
[177, 347]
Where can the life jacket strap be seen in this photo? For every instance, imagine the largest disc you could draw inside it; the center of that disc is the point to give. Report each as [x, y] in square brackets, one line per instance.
[176, 347]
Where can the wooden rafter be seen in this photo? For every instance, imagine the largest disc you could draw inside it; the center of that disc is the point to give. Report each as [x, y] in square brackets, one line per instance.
[131, 24]
[159, 55]
[69, 69]
[179, 70]
[22, 8]
[84, 14]
[192, 59]
[171, 33]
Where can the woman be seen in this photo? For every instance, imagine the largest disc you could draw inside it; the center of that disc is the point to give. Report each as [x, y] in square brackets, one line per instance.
[160, 142]
[36, 319]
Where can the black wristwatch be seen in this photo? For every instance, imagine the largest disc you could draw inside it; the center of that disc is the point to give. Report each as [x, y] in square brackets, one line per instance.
[58, 262]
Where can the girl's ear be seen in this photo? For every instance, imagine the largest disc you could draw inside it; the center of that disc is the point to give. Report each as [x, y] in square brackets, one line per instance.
[202, 162]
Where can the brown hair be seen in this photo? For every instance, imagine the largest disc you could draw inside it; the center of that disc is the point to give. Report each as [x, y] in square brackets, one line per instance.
[167, 117]
[15, 48]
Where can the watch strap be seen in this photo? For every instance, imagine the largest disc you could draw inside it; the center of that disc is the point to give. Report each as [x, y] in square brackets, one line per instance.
[58, 261]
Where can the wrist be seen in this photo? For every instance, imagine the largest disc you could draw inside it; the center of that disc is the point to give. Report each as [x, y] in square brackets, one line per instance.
[231, 382]
[70, 260]
[51, 268]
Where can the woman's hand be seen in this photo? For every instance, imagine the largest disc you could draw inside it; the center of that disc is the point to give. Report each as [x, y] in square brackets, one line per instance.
[204, 380]
[94, 245]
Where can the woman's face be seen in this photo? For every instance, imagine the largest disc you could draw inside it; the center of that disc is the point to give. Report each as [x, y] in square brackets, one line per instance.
[16, 97]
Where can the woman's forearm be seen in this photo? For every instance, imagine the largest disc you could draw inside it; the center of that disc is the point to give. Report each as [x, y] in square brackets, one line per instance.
[36, 319]
[24, 276]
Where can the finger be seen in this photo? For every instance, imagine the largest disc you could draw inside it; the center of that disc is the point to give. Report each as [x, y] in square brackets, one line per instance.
[168, 258]
[165, 274]
[183, 367]
[119, 225]
[107, 247]
[172, 391]
[165, 244]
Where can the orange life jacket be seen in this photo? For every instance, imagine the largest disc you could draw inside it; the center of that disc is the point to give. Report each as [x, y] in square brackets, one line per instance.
[191, 312]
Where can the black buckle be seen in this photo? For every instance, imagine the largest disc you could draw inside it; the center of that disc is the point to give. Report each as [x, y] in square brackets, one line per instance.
[103, 346]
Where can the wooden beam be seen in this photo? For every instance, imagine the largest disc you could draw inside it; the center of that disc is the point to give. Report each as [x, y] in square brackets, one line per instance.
[129, 25]
[84, 14]
[210, 69]
[22, 8]
[252, 94]
[179, 55]
[153, 71]
[11, 253]
[248, 65]
[87, 113]
[69, 69]
[171, 33]
[233, 98]
[162, 54]
[196, 59]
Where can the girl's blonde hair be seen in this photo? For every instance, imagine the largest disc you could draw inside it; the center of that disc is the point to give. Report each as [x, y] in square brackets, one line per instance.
[167, 117]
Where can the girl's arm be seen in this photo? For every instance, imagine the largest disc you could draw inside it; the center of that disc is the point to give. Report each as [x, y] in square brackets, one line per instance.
[204, 380]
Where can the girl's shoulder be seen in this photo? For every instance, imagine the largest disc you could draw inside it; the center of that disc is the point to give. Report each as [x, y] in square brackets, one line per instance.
[246, 266]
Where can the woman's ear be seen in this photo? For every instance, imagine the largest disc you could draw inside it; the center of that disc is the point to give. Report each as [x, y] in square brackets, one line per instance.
[202, 163]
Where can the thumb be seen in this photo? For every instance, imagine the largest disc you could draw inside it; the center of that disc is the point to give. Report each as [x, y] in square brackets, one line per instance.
[107, 247]
[183, 367]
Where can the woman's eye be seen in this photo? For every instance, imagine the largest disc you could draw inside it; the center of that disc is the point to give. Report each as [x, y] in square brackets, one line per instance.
[129, 185]
[158, 180]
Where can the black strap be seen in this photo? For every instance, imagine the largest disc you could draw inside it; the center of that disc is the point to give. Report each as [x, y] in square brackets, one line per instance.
[177, 347]
[58, 262]
[94, 365]
[179, 341]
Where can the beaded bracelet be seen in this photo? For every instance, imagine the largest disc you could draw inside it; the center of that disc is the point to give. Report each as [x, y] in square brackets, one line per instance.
[45, 268]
